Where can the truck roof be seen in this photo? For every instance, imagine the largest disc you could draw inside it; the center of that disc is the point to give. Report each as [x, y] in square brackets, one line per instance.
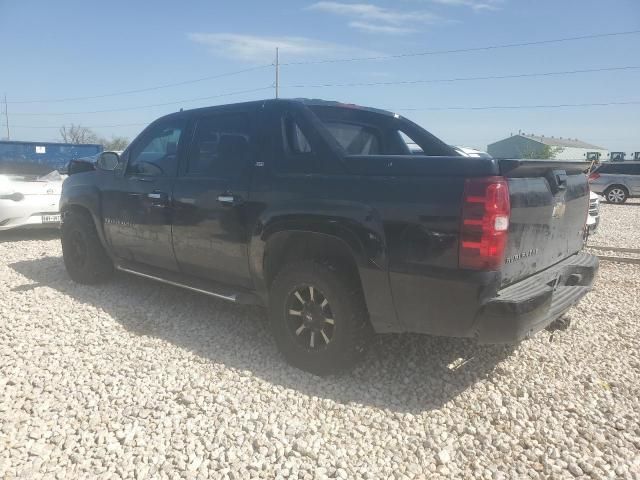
[303, 101]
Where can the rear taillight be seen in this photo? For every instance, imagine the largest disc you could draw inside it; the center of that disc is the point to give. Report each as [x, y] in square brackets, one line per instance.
[485, 223]
[594, 176]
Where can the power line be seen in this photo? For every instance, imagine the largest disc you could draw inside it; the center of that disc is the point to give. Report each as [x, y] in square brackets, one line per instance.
[416, 109]
[501, 107]
[463, 79]
[329, 60]
[460, 50]
[355, 84]
[90, 126]
[138, 107]
[148, 89]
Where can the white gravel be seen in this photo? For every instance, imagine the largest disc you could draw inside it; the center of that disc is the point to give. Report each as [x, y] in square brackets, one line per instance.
[134, 379]
[619, 225]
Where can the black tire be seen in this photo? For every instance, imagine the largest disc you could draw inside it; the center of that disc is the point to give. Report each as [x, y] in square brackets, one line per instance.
[616, 194]
[84, 256]
[349, 333]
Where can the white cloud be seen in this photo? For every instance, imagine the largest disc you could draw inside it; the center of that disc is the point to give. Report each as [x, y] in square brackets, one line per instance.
[259, 49]
[476, 5]
[372, 18]
[376, 28]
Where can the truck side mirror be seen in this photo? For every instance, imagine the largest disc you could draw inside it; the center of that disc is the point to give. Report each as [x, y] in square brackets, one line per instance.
[108, 161]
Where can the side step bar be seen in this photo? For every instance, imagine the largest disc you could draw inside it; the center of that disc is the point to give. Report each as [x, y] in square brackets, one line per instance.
[195, 284]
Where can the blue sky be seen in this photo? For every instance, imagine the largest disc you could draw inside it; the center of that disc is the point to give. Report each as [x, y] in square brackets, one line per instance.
[53, 50]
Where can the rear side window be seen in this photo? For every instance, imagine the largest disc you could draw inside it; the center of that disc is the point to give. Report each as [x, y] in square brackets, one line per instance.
[366, 132]
[296, 140]
[220, 146]
[298, 155]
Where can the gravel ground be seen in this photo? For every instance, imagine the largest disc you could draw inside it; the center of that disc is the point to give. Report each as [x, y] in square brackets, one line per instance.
[618, 225]
[134, 379]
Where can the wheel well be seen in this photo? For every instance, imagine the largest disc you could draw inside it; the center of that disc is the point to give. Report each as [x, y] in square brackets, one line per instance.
[75, 208]
[619, 186]
[287, 247]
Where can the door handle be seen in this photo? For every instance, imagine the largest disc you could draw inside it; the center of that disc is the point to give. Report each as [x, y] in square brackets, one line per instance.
[158, 199]
[143, 179]
[227, 199]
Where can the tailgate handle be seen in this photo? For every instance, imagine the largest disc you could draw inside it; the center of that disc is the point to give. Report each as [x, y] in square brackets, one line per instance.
[557, 180]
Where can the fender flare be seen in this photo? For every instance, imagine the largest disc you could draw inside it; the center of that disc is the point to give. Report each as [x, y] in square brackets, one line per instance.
[86, 197]
[366, 245]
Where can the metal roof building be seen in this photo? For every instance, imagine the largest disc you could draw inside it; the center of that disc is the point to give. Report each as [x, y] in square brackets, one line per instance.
[521, 145]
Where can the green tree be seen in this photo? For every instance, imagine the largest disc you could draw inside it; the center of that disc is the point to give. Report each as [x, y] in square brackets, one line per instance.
[547, 153]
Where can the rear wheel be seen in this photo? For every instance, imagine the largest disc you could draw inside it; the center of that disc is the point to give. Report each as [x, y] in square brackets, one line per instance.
[84, 256]
[318, 317]
[616, 194]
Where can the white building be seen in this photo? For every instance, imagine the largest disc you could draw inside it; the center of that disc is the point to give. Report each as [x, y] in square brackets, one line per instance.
[530, 146]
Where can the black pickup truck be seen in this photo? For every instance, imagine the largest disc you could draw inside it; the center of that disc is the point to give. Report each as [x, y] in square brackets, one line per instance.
[321, 212]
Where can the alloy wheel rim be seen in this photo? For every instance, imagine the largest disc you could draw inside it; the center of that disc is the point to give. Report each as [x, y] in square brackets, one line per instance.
[616, 195]
[310, 318]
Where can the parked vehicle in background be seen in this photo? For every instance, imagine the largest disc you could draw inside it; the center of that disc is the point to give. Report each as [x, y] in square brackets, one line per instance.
[320, 212]
[617, 156]
[471, 152]
[31, 175]
[593, 219]
[616, 181]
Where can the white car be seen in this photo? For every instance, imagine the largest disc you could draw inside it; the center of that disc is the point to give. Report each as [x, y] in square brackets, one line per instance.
[593, 219]
[30, 200]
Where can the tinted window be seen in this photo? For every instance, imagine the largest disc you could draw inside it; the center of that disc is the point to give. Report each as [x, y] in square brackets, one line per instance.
[298, 155]
[296, 140]
[156, 153]
[220, 146]
[412, 146]
[367, 132]
[355, 139]
[620, 169]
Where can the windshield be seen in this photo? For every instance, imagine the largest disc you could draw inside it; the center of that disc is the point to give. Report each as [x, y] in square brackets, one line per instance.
[364, 132]
[31, 158]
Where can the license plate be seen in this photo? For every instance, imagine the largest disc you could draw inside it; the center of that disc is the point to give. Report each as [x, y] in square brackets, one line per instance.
[50, 218]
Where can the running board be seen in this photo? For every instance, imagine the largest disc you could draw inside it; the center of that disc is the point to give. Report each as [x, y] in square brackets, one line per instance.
[194, 284]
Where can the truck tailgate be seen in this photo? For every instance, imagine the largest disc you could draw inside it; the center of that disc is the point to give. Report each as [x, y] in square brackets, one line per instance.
[549, 204]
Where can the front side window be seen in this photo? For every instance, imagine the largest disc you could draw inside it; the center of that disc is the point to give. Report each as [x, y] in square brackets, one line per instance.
[156, 154]
[220, 146]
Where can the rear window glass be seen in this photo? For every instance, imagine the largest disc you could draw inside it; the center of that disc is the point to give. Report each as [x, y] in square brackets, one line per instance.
[362, 131]
[355, 139]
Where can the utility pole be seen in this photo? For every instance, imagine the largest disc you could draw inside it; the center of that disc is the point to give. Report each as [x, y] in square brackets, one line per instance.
[277, 72]
[6, 116]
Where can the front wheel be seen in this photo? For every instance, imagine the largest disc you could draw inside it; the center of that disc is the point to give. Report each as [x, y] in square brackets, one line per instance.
[616, 194]
[84, 256]
[318, 317]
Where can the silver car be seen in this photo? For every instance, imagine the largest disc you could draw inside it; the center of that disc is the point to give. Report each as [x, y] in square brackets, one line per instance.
[616, 181]
[29, 200]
